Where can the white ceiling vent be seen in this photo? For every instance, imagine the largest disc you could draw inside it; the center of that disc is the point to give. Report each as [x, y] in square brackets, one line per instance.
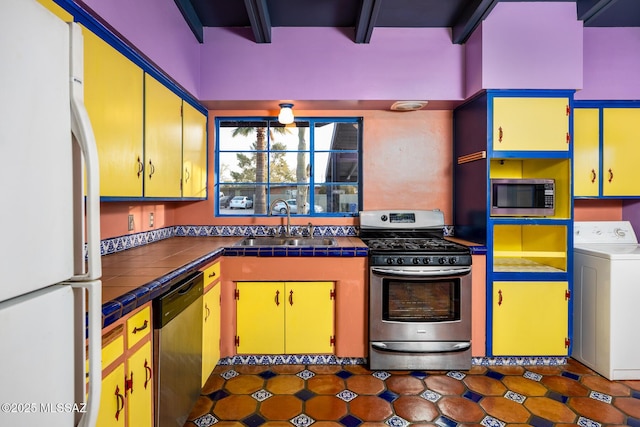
[408, 105]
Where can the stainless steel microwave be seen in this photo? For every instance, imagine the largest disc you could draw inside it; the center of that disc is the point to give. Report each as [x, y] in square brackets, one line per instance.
[523, 197]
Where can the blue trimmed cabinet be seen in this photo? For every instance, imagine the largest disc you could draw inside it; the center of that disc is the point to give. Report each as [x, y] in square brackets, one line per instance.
[605, 135]
[519, 134]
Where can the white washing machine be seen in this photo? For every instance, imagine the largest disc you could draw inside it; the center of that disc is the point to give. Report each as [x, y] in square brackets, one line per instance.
[606, 298]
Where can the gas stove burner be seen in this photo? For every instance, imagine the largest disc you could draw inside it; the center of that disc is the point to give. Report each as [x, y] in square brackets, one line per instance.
[429, 244]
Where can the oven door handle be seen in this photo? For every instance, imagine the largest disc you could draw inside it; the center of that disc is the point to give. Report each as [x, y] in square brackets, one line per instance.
[421, 347]
[421, 271]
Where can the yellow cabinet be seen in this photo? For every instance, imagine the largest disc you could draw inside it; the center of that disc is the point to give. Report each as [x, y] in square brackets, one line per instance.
[113, 96]
[620, 137]
[620, 174]
[586, 152]
[111, 413]
[127, 372]
[194, 152]
[139, 396]
[285, 317]
[530, 318]
[162, 140]
[531, 124]
[210, 320]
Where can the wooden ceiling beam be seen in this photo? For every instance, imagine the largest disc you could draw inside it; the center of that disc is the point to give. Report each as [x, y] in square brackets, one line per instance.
[471, 17]
[259, 17]
[367, 20]
[189, 14]
[590, 9]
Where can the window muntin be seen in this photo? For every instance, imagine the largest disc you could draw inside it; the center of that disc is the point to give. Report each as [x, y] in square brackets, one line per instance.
[264, 160]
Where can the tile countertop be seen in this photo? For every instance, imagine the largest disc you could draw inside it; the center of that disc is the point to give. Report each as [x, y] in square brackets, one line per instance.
[135, 276]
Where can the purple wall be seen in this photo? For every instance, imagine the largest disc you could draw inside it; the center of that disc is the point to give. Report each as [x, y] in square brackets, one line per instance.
[158, 30]
[325, 64]
[532, 46]
[611, 64]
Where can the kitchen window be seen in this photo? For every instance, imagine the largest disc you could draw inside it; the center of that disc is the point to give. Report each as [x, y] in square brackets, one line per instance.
[314, 164]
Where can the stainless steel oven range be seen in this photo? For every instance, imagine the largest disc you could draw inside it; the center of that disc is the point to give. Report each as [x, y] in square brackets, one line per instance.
[419, 292]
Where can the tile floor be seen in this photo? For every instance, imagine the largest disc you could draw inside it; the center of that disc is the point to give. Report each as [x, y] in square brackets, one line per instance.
[352, 396]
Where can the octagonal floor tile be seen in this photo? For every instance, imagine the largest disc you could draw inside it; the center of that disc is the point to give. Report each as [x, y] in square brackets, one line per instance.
[244, 384]
[415, 408]
[370, 408]
[596, 410]
[445, 385]
[485, 385]
[327, 408]
[405, 384]
[524, 386]
[603, 385]
[505, 409]
[285, 384]
[461, 409]
[326, 384]
[365, 384]
[281, 407]
[550, 409]
[235, 407]
[565, 386]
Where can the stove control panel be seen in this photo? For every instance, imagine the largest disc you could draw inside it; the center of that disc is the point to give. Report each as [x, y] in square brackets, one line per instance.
[420, 260]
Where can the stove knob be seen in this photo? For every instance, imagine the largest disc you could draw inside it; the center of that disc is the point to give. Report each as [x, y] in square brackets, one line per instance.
[400, 261]
[452, 260]
[426, 261]
[442, 260]
[389, 260]
[416, 260]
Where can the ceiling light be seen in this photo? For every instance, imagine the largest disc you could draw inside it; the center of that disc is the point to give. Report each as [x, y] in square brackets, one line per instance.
[408, 105]
[286, 114]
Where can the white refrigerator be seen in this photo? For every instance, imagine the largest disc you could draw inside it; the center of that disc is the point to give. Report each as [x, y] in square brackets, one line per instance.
[50, 292]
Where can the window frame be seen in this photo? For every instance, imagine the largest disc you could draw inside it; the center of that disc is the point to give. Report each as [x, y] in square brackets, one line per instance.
[312, 121]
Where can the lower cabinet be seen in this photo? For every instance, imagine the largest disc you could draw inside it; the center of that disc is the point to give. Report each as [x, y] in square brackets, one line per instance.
[285, 317]
[210, 320]
[127, 389]
[530, 318]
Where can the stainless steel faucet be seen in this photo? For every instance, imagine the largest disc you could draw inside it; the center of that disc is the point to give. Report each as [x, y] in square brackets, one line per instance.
[288, 230]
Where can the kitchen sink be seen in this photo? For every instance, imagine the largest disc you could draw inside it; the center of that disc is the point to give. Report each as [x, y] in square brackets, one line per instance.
[287, 241]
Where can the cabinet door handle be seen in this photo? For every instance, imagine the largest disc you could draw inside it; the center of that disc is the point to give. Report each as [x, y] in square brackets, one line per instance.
[500, 134]
[187, 175]
[212, 274]
[206, 312]
[593, 176]
[500, 297]
[144, 326]
[291, 297]
[610, 175]
[140, 167]
[277, 297]
[147, 373]
[119, 402]
[152, 169]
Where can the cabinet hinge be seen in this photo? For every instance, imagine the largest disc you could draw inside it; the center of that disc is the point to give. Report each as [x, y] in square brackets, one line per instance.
[128, 384]
[567, 342]
[567, 295]
[332, 294]
[237, 294]
[237, 341]
[332, 340]
[568, 138]
[568, 111]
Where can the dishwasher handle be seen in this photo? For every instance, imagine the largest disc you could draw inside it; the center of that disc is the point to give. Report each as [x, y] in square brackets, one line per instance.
[184, 292]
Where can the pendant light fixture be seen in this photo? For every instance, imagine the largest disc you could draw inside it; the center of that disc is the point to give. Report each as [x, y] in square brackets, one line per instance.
[286, 114]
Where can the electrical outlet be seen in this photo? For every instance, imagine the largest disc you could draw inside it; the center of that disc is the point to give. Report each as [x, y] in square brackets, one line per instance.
[130, 227]
[150, 219]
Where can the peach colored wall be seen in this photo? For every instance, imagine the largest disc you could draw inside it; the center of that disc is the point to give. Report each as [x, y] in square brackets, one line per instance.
[407, 163]
[350, 275]
[597, 210]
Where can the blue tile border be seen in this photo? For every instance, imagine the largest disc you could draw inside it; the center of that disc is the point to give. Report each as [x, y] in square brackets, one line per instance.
[520, 361]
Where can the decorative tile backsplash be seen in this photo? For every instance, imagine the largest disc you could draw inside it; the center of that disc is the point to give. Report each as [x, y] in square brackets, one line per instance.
[121, 243]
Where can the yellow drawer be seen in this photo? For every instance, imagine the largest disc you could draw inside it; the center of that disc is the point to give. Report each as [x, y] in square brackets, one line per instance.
[211, 273]
[138, 326]
[112, 346]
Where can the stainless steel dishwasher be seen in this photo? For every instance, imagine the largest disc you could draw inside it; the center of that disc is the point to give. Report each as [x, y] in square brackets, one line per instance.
[177, 345]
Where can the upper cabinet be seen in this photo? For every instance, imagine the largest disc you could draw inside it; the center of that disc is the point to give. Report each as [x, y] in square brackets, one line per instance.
[194, 152]
[162, 140]
[114, 100]
[530, 123]
[151, 142]
[606, 136]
